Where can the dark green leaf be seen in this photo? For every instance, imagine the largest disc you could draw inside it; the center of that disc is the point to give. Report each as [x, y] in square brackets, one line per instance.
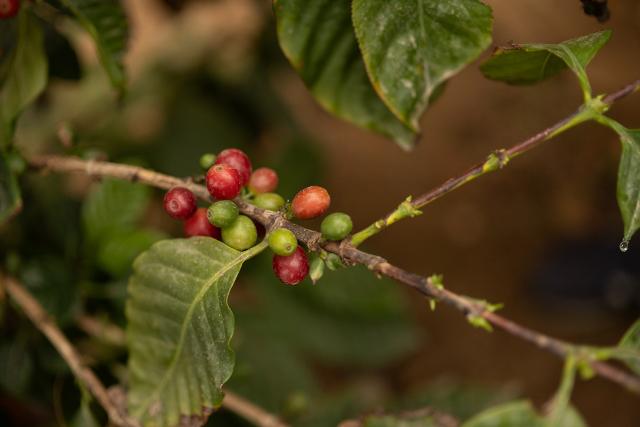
[26, 75]
[120, 249]
[350, 312]
[10, 199]
[411, 47]
[179, 328]
[113, 207]
[512, 414]
[318, 39]
[16, 367]
[106, 22]
[531, 63]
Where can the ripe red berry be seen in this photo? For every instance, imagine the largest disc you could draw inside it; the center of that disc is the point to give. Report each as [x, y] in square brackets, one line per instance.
[238, 160]
[310, 202]
[199, 225]
[9, 8]
[223, 182]
[263, 180]
[179, 202]
[293, 268]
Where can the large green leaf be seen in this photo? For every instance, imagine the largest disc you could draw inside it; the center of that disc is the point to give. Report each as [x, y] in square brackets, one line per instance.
[26, 75]
[318, 39]
[411, 47]
[106, 22]
[512, 414]
[179, 328]
[10, 199]
[530, 63]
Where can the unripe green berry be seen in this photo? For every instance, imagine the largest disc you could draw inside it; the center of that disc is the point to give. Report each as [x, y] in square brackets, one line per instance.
[222, 213]
[241, 234]
[207, 160]
[336, 226]
[282, 242]
[269, 201]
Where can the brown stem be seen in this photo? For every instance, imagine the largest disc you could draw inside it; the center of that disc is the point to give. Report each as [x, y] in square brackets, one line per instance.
[435, 417]
[249, 411]
[48, 327]
[349, 254]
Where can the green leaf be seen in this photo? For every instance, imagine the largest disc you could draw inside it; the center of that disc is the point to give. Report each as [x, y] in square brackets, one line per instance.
[411, 47]
[113, 207]
[512, 414]
[628, 349]
[628, 191]
[119, 250]
[10, 198]
[318, 39]
[26, 75]
[106, 22]
[16, 367]
[530, 63]
[179, 328]
[341, 321]
[561, 413]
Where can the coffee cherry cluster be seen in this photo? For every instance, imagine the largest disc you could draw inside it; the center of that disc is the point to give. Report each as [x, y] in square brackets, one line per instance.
[227, 174]
[9, 8]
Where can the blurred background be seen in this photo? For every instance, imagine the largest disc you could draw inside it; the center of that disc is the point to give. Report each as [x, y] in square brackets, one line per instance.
[540, 236]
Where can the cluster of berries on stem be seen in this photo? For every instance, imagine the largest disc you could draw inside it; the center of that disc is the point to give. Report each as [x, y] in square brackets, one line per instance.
[227, 174]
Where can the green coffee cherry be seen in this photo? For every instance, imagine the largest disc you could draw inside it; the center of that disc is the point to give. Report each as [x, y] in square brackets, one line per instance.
[269, 201]
[241, 234]
[282, 242]
[222, 213]
[207, 160]
[336, 226]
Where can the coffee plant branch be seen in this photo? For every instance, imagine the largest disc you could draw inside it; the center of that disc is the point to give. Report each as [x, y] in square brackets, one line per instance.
[48, 327]
[474, 310]
[497, 160]
[36, 313]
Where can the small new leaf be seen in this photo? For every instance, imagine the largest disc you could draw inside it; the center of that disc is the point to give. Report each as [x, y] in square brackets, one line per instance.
[479, 322]
[522, 64]
[628, 349]
[404, 210]
[316, 269]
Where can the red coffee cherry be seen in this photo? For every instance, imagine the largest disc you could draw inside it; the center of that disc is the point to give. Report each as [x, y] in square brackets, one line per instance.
[293, 268]
[223, 182]
[263, 180]
[179, 202]
[199, 225]
[238, 160]
[9, 8]
[310, 202]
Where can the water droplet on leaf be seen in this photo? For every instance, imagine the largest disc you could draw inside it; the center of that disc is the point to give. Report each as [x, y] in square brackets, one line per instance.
[624, 246]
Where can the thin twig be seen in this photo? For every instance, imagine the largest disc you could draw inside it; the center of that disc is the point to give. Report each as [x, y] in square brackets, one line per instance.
[500, 158]
[469, 307]
[249, 411]
[48, 327]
